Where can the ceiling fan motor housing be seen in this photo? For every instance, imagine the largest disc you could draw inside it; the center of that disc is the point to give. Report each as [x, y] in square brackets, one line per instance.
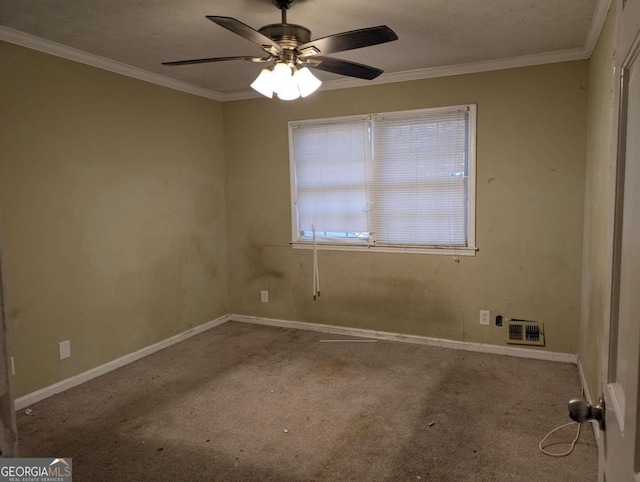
[287, 35]
[284, 4]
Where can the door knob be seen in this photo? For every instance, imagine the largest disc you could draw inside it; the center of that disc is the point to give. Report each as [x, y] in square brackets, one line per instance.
[581, 411]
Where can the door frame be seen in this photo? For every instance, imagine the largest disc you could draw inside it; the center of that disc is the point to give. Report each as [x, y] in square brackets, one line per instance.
[9, 430]
[614, 231]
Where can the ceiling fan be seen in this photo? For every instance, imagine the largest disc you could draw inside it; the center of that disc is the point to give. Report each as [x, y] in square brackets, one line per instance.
[291, 50]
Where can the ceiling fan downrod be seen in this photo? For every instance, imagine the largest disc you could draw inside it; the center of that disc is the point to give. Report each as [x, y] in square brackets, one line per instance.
[284, 5]
[289, 36]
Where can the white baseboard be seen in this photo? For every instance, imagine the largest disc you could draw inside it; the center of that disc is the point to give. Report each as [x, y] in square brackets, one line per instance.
[588, 398]
[63, 385]
[420, 340]
[75, 380]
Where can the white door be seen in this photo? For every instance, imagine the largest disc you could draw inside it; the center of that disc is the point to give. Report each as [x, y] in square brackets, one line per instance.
[8, 431]
[621, 461]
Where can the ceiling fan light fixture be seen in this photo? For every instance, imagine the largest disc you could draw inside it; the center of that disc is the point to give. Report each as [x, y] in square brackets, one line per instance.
[264, 83]
[287, 82]
[290, 47]
[307, 82]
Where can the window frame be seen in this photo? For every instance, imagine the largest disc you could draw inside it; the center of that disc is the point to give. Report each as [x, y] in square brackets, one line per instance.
[360, 245]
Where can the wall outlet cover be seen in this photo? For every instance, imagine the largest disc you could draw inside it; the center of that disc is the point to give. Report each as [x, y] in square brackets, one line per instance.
[485, 317]
[65, 349]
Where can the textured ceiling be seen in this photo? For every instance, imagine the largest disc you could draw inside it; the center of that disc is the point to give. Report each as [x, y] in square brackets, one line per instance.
[432, 33]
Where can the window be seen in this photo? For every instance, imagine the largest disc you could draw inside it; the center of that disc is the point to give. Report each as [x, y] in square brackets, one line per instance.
[386, 182]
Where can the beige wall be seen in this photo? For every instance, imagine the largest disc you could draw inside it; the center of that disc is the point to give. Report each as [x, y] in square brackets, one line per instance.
[599, 197]
[530, 193]
[112, 213]
[117, 202]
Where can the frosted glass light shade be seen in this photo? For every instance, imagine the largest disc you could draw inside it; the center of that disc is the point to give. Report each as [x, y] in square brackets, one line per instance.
[288, 89]
[306, 81]
[281, 72]
[264, 83]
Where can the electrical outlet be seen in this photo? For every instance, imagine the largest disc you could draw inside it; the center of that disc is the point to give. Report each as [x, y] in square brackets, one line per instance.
[485, 317]
[65, 349]
[264, 296]
[13, 366]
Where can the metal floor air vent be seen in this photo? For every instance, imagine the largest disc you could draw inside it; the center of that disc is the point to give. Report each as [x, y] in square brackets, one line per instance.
[525, 333]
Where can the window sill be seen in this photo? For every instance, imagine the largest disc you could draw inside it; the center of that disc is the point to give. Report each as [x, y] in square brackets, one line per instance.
[446, 250]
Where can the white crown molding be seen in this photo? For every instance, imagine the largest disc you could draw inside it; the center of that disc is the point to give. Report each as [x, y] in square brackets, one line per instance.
[597, 22]
[53, 48]
[445, 71]
[36, 43]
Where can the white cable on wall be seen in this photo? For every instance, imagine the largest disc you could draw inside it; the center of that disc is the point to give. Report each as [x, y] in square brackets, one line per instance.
[316, 272]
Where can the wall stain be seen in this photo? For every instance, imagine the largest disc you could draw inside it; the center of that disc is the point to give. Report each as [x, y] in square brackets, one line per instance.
[206, 202]
[258, 267]
[399, 284]
[172, 288]
[13, 315]
[197, 243]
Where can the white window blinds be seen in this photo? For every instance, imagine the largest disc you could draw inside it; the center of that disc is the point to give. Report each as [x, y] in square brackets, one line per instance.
[398, 179]
[331, 178]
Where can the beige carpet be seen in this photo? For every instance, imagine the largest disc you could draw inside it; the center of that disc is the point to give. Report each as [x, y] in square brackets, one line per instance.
[248, 402]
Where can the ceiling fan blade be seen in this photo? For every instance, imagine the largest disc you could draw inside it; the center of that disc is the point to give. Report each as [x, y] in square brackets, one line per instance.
[344, 67]
[239, 28]
[354, 39]
[217, 59]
